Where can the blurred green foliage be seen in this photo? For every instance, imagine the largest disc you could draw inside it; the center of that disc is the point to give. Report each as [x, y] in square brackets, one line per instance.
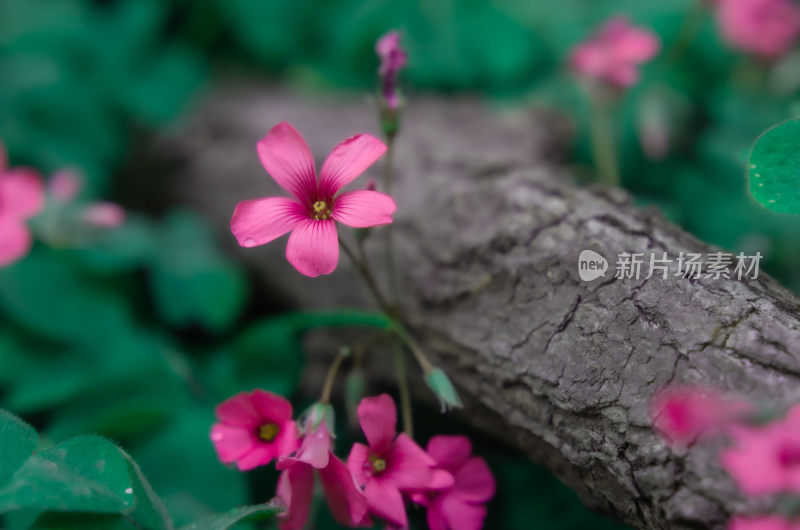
[136, 334]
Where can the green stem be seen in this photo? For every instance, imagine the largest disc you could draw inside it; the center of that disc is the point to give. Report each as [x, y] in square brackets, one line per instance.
[330, 378]
[690, 28]
[369, 278]
[391, 313]
[405, 394]
[388, 184]
[603, 148]
[413, 347]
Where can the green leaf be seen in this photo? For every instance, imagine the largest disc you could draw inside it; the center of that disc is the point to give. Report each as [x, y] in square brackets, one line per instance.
[81, 521]
[27, 296]
[256, 512]
[194, 484]
[774, 168]
[18, 442]
[148, 511]
[192, 281]
[86, 474]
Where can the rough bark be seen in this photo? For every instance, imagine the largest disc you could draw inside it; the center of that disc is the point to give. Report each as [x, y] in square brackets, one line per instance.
[488, 231]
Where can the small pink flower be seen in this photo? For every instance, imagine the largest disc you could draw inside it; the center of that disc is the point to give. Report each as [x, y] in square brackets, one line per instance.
[769, 522]
[21, 198]
[311, 216]
[766, 459]
[63, 188]
[681, 414]
[768, 28]
[345, 500]
[391, 464]
[613, 54]
[253, 429]
[462, 506]
[393, 59]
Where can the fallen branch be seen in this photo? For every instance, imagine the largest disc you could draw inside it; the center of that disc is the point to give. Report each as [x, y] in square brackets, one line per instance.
[489, 230]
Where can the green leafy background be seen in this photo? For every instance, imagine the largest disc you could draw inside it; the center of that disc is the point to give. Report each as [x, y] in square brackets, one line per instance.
[129, 340]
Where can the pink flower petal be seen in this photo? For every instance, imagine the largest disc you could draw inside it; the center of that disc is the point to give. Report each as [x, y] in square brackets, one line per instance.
[287, 441]
[345, 500]
[15, 240]
[313, 247]
[287, 158]
[754, 463]
[770, 522]
[363, 208]
[461, 515]
[239, 411]
[410, 468]
[296, 491]
[21, 194]
[682, 413]
[104, 214]
[436, 518]
[261, 455]
[358, 463]
[764, 27]
[231, 443]
[385, 501]
[315, 448]
[450, 452]
[272, 406]
[347, 161]
[64, 186]
[474, 482]
[259, 221]
[378, 418]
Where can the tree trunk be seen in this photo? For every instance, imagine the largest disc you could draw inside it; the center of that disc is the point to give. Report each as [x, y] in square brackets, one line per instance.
[488, 232]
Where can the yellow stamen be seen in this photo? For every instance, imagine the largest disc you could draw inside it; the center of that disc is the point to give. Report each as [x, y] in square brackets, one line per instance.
[378, 463]
[268, 431]
[321, 210]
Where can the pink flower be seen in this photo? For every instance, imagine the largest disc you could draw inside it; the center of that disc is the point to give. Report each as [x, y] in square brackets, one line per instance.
[21, 198]
[393, 59]
[462, 506]
[311, 216]
[683, 413]
[64, 187]
[766, 459]
[770, 522]
[613, 54]
[253, 429]
[763, 27]
[104, 214]
[345, 500]
[392, 464]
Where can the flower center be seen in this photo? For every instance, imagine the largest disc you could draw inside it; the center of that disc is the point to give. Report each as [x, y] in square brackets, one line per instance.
[268, 431]
[789, 455]
[320, 210]
[378, 463]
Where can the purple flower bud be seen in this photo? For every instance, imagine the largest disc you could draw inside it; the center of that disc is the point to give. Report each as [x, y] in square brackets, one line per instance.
[393, 59]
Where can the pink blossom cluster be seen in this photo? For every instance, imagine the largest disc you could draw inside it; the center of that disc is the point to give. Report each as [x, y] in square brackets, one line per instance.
[612, 56]
[766, 28]
[764, 458]
[23, 196]
[379, 476]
